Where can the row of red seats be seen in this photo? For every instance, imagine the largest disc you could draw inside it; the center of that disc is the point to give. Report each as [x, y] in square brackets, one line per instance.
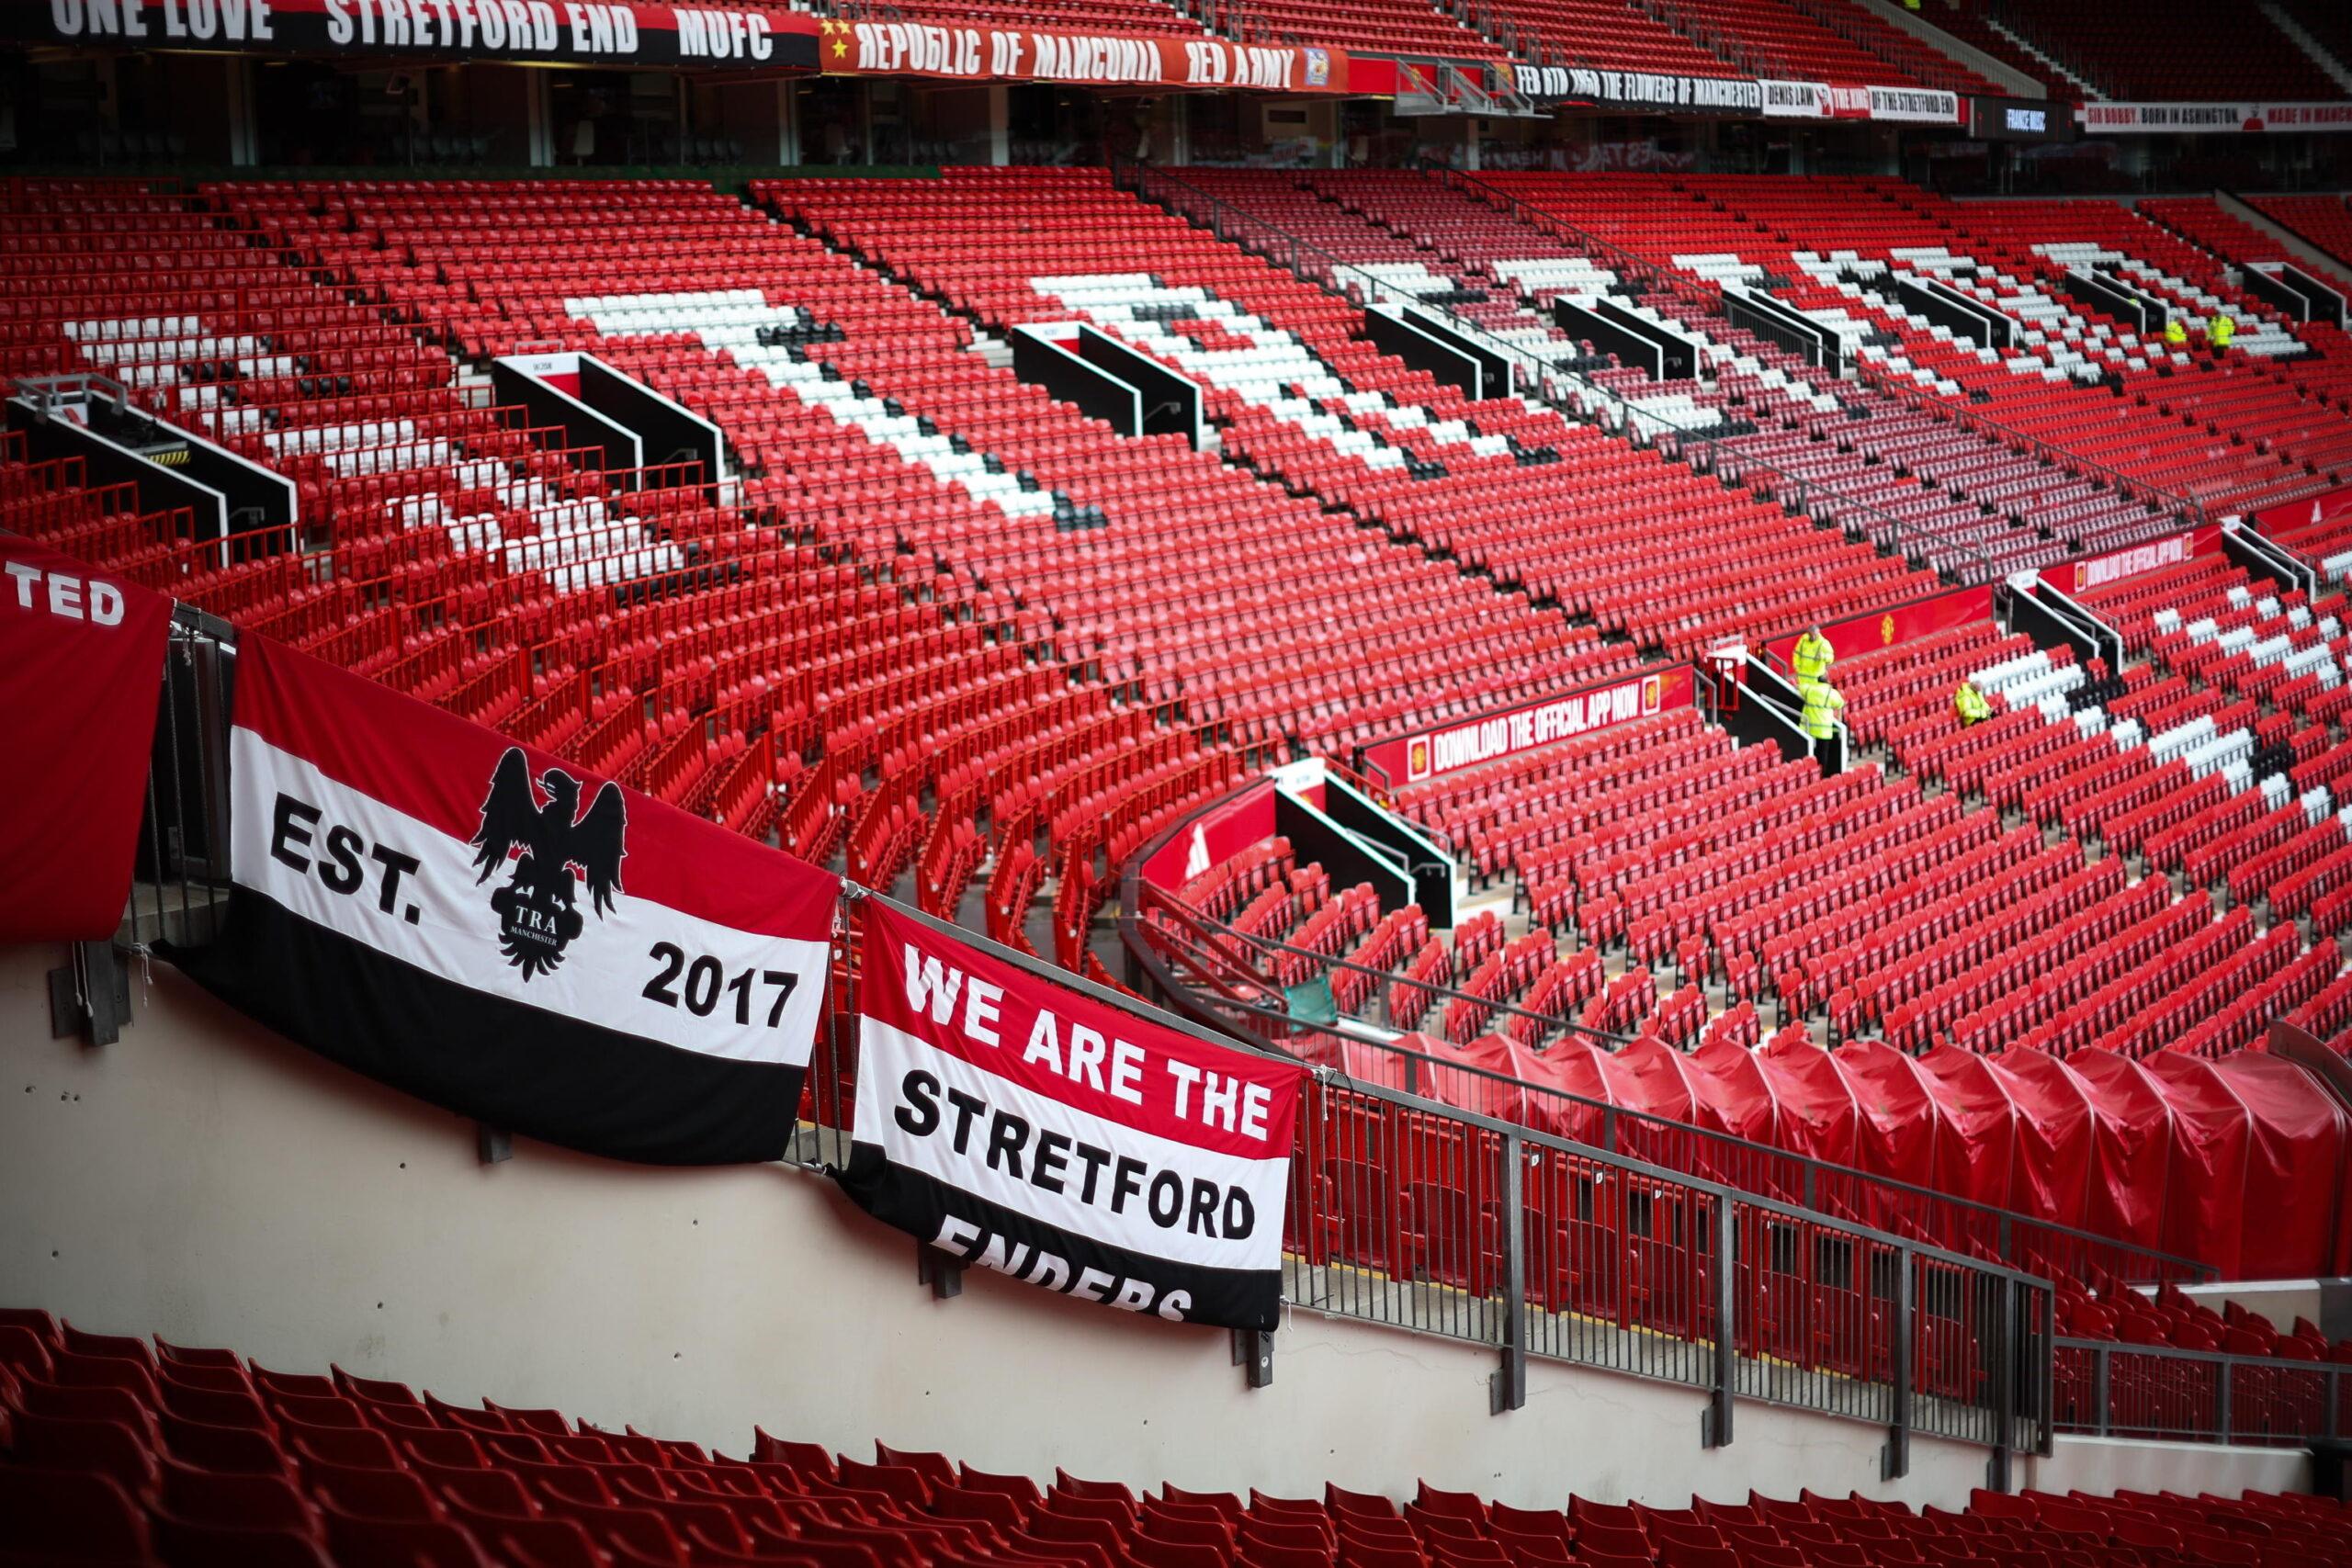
[2273, 444]
[117, 1453]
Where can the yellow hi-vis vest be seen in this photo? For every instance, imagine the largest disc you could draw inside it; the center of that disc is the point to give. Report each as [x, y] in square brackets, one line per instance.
[1971, 705]
[2176, 330]
[1822, 706]
[2224, 329]
[1810, 659]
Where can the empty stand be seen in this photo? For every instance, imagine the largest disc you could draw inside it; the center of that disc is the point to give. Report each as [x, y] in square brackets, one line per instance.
[1965, 20]
[2265, 422]
[2161, 53]
[1672, 886]
[119, 1451]
[1309, 405]
[2324, 221]
[1824, 41]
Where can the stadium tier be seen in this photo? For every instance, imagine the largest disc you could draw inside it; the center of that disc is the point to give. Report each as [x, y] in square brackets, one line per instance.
[1968, 20]
[2323, 221]
[1866, 259]
[1823, 40]
[1570, 787]
[2164, 52]
[990, 543]
[122, 1452]
[1908, 475]
[1738, 886]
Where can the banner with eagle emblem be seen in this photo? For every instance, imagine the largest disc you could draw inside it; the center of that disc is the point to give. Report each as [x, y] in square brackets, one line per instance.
[484, 926]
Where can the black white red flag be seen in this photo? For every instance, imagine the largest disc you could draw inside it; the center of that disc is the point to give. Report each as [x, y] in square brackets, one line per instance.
[1023, 1126]
[478, 923]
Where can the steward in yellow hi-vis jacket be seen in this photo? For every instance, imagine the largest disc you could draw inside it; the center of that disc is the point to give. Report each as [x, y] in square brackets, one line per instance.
[2176, 333]
[1970, 703]
[1810, 659]
[2224, 330]
[1822, 706]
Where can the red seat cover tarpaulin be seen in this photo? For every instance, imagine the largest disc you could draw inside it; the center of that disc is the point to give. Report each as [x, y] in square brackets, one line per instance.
[2293, 1174]
[2212, 1130]
[2132, 1151]
[2049, 1173]
[1979, 1125]
[1573, 1066]
[1654, 1079]
[1486, 1076]
[1901, 1130]
[1734, 1096]
[1818, 1117]
[1359, 1059]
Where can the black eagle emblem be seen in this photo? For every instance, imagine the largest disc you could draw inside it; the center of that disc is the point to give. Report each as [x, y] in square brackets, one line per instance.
[553, 848]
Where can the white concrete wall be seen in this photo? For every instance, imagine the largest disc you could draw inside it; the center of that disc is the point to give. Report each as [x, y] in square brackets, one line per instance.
[2101, 1465]
[205, 1181]
[2277, 1302]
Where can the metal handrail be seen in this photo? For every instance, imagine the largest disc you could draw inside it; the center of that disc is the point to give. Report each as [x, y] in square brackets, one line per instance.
[1150, 899]
[1541, 379]
[2166, 1391]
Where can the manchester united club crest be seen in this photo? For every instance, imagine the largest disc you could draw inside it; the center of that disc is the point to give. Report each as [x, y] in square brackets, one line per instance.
[553, 848]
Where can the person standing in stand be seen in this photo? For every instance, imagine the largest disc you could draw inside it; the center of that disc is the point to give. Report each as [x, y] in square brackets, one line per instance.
[1822, 706]
[1811, 659]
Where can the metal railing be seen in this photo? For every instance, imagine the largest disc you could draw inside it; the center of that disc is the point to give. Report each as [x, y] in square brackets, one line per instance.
[1436, 1220]
[2107, 1388]
[1567, 391]
[179, 886]
[1224, 977]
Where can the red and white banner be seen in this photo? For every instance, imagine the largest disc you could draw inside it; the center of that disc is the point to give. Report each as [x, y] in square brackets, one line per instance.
[2155, 120]
[2098, 572]
[1054, 54]
[81, 667]
[470, 921]
[1431, 753]
[1849, 102]
[1023, 1126]
[575, 32]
